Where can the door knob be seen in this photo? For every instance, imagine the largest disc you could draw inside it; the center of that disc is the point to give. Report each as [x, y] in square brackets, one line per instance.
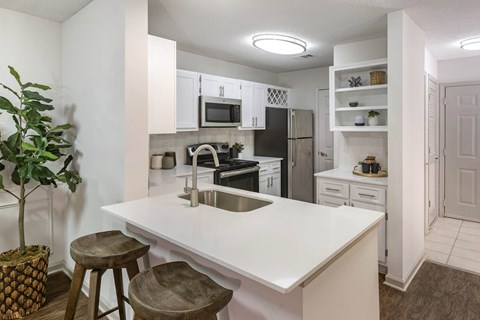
[323, 154]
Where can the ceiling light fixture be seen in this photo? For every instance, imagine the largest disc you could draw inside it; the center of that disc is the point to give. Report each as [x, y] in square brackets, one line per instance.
[470, 44]
[279, 44]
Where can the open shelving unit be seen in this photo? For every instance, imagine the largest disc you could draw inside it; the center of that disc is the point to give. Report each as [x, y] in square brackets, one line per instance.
[369, 97]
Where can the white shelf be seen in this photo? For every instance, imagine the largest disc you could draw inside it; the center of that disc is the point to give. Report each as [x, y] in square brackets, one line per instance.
[361, 128]
[363, 88]
[363, 66]
[364, 108]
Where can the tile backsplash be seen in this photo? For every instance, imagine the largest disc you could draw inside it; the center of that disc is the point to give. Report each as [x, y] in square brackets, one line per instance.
[159, 143]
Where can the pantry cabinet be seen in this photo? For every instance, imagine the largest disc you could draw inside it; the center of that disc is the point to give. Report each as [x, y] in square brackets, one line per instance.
[187, 100]
[334, 193]
[215, 86]
[270, 178]
[369, 97]
[161, 85]
[253, 105]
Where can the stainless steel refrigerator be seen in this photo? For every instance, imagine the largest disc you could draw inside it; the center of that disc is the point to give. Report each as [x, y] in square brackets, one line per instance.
[289, 135]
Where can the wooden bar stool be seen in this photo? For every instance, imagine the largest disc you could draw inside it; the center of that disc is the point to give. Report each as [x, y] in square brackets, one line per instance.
[174, 291]
[99, 252]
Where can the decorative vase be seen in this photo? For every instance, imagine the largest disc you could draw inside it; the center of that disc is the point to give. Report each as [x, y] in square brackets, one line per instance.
[359, 121]
[23, 285]
[240, 155]
[373, 121]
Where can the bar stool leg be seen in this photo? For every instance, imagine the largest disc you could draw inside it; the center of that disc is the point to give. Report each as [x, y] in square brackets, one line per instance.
[94, 293]
[117, 274]
[132, 269]
[75, 288]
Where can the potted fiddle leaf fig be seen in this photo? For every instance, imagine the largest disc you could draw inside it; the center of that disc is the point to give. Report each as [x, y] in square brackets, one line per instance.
[37, 153]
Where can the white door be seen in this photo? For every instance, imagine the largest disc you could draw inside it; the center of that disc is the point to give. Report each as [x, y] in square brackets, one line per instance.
[433, 151]
[275, 185]
[211, 85]
[230, 88]
[263, 184]
[259, 101]
[324, 154]
[462, 148]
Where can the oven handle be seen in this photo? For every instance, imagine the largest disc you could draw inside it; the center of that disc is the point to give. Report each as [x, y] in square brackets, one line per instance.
[234, 173]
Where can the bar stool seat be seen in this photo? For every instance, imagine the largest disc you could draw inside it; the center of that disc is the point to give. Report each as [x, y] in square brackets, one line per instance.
[100, 252]
[174, 291]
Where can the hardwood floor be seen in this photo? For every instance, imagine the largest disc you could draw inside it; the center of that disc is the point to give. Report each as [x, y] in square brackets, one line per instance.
[57, 294]
[436, 293]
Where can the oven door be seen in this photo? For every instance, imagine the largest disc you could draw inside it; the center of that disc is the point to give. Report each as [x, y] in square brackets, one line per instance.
[245, 179]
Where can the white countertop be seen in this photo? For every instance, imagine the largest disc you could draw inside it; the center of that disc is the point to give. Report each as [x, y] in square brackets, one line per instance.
[347, 175]
[280, 245]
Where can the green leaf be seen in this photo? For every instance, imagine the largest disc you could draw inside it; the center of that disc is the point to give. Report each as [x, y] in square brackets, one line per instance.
[13, 141]
[28, 146]
[49, 155]
[6, 105]
[1, 182]
[15, 74]
[35, 85]
[7, 154]
[11, 90]
[65, 126]
[32, 95]
[2, 166]
[37, 105]
[15, 176]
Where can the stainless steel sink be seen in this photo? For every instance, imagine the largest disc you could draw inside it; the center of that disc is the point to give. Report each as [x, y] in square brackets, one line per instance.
[228, 201]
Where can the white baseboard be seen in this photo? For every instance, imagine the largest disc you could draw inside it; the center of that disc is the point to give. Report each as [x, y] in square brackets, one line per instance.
[61, 266]
[400, 284]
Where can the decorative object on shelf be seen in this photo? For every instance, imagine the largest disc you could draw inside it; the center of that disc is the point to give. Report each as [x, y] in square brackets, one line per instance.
[373, 117]
[353, 104]
[359, 121]
[239, 147]
[377, 77]
[375, 167]
[355, 82]
[34, 145]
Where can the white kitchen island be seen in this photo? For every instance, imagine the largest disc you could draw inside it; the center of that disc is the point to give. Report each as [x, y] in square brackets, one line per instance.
[286, 261]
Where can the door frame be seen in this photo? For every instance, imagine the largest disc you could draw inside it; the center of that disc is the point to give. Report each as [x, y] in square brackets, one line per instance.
[316, 132]
[443, 106]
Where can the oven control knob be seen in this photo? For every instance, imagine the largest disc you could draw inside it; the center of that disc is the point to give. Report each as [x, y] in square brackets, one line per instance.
[193, 149]
[225, 146]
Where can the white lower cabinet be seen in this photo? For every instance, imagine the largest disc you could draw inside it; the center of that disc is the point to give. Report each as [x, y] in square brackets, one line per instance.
[335, 193]
[270, 178]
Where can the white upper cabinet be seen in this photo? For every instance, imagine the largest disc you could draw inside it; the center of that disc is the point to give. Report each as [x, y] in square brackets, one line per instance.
[350, 104]
[253, 105]
[215, 86]
[162, 64]
[187, 100]
[277, 97]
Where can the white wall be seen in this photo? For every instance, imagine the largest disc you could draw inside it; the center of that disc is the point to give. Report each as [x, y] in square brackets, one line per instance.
[459, 70]
[305, 84]
[202, 64]
[431, 64]
[33, 47]
[360, 51]
[406, 120]
[353, 147]
[97, 62]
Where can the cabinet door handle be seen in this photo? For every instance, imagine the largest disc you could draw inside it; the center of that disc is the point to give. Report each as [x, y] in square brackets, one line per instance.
[366, 195]
[331, 189]
[256, 122]
[271, 183]
[268, 182]
[351, 204]
[253, 121]
[345, 203]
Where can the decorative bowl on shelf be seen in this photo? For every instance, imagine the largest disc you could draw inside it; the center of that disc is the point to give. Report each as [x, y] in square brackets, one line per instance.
[359, 121]
[353, 104]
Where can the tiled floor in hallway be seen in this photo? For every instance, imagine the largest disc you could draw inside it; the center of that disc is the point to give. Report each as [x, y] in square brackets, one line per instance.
[455, 243]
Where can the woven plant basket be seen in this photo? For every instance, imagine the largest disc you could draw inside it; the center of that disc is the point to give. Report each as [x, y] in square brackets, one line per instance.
[377, 77]
[23, 286]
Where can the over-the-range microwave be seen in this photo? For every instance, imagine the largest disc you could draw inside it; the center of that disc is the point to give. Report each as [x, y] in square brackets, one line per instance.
[220, 112]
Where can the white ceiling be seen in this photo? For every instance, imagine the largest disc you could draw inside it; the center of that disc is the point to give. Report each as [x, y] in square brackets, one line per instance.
[223, 29]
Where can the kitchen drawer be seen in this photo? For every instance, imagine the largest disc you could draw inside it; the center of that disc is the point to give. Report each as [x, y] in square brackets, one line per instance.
[332, 201]
[275, 167]
[333, 188]
[367, 194]
[264, 169]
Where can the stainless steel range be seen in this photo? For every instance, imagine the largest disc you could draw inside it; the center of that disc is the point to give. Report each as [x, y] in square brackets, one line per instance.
[234, 173]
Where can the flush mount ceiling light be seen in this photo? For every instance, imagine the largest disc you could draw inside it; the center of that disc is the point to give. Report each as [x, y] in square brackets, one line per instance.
[279, 44]
[470, 44]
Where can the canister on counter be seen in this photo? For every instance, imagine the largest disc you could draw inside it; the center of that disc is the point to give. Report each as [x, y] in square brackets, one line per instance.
[156, 161]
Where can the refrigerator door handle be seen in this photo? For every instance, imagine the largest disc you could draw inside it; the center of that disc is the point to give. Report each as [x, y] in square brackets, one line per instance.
[294, 152]
[294, 125]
